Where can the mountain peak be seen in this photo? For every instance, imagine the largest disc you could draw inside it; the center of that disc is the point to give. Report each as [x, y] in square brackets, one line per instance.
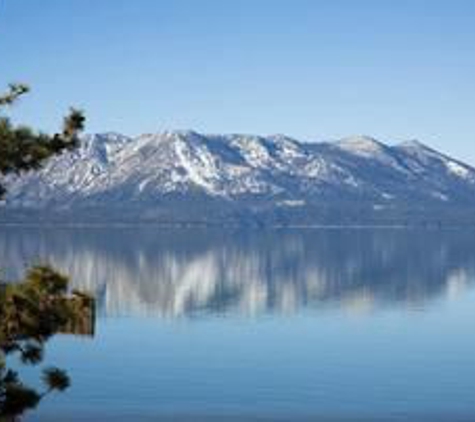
[105, 138]
[183, 133]
[361, 145]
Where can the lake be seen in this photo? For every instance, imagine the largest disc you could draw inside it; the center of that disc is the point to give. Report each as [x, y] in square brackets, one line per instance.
[262, 325]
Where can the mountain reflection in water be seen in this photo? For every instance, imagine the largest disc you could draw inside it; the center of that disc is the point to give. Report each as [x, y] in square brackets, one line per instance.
[186, 272]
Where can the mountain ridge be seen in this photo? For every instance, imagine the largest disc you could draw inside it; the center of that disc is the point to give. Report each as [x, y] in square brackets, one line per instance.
[186, 176]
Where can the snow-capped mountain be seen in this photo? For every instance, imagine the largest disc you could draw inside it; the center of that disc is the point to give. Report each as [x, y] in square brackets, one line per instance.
[190, 177]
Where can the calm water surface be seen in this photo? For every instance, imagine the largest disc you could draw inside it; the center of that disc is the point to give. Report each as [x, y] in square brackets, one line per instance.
[326, 325]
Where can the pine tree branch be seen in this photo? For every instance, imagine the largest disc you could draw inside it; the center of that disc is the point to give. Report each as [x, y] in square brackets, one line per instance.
[15, 91]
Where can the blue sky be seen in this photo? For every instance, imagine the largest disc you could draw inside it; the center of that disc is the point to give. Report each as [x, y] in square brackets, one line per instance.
[314, 70]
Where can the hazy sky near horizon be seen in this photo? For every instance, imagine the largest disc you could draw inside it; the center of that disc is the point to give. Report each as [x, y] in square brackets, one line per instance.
[314, 70]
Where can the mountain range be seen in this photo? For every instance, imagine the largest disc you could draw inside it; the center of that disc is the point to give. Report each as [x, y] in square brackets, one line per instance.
[187, 177]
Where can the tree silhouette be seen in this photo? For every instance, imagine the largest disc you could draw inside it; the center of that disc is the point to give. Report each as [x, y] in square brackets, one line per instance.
[41, 305]
[22, 148]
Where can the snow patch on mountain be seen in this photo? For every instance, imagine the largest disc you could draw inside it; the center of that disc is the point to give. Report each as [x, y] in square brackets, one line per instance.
[458, 170]
[361, 145]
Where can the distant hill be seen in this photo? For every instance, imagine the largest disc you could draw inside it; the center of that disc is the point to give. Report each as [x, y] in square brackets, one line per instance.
[187, 177]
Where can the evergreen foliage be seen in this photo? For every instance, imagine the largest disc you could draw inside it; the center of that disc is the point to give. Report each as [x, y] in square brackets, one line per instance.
[22, 148]
[31, 312]
[40, 306]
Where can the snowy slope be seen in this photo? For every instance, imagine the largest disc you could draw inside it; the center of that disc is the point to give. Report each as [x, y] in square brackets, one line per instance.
[114, 171]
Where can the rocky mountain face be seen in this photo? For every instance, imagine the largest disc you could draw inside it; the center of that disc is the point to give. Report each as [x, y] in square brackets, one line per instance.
[186, 177]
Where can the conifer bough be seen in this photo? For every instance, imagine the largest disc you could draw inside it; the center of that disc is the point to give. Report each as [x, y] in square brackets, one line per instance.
[38, 307]
[22, 148]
